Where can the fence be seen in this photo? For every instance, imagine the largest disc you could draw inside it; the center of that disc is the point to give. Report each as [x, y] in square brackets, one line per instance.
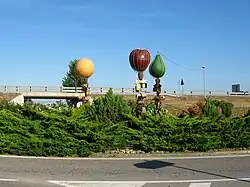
[103, 90]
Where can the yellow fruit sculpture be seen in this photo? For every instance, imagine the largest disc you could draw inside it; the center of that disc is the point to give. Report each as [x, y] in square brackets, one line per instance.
[85, 68]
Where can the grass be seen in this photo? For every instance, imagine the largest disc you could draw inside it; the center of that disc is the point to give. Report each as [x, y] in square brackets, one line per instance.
[176, 104]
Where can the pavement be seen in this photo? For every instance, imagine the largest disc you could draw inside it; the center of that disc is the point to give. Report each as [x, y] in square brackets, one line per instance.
[208, 171]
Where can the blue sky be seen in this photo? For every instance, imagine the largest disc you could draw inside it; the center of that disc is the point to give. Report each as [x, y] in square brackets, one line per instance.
[39, 37]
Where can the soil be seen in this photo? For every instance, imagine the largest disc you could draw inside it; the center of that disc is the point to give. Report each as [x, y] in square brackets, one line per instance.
[176, 104]
[8, 96]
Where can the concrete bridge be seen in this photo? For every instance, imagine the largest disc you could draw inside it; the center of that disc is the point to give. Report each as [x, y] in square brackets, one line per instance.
[59, 92]
[56, 92]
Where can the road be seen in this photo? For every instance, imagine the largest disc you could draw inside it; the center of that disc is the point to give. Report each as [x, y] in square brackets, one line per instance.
[172, 172]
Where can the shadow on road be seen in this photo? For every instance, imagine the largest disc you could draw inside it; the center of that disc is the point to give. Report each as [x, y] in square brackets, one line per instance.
[156, 164]
[153, 164]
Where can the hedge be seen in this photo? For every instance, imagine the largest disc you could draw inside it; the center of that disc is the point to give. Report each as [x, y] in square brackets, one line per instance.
[110, 124]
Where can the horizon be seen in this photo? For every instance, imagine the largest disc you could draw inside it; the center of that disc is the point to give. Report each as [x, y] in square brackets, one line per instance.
[40, 38]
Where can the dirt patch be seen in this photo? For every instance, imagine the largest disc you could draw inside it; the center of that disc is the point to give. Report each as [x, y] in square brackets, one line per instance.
[8, 96]
[176, 104]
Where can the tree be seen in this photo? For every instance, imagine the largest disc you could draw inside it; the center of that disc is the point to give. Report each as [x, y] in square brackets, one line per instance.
[72, 79]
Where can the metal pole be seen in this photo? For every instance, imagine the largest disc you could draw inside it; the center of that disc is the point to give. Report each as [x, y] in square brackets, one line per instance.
[204, 79]
[179, 87]
[182, 90]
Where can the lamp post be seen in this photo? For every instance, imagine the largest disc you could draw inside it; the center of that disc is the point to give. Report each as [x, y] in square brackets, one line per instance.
[204, 79]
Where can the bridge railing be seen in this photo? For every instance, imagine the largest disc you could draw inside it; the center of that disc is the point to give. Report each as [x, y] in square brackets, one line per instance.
[103, 90]
[95, 90]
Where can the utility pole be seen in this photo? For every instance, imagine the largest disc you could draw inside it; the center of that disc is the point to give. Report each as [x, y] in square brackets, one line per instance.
[178, 88]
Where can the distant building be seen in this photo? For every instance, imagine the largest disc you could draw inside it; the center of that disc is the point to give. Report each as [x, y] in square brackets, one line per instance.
[236, 88]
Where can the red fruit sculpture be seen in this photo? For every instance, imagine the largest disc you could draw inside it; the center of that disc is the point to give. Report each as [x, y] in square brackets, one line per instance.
[139, 59]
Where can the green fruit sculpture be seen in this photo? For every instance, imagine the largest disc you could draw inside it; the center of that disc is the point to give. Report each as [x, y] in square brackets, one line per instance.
[157, 68]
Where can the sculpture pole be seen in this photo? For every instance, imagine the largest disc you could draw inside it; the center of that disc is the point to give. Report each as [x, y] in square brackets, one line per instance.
[158, 97]
[140, 87]
[85, 68]
[139, 60]
[87, 95]
[157, 69]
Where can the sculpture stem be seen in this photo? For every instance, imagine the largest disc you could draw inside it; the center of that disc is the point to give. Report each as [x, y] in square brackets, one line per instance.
[140, 84]
[157, 98]
[85, 87]
[87, 97]
[140, 75]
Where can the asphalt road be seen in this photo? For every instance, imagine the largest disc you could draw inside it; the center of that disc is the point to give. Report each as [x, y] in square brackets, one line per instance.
[174, 172]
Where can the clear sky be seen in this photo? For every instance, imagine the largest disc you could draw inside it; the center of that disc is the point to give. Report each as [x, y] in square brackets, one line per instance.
[38, 38]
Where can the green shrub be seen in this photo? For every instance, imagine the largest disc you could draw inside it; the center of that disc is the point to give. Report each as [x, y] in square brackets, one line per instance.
[247, 114]
[109, 108]
[212, 107]
[110, 124]
[227, 108]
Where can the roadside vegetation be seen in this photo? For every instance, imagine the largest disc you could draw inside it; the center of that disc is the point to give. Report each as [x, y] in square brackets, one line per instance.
[110, 124]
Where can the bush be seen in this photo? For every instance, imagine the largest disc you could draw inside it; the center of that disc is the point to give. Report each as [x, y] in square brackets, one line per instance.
[109, 108]
[215, 108]
[247, 114]
[110, 124]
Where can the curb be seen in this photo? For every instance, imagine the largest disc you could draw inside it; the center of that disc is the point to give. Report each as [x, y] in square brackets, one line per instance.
[175, 156]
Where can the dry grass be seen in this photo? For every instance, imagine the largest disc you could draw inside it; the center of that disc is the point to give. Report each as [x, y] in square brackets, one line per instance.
[8, 96]
[176, 104]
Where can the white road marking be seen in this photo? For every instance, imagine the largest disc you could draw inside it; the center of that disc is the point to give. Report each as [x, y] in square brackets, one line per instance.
[200, 184]
[99, 183]
[141, 183]
[245, 154]
[9, 180]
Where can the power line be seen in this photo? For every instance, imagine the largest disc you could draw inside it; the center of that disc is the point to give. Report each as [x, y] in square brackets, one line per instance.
[190, 69]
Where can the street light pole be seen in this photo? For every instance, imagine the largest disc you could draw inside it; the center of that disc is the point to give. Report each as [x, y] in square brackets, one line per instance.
[204, 79]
